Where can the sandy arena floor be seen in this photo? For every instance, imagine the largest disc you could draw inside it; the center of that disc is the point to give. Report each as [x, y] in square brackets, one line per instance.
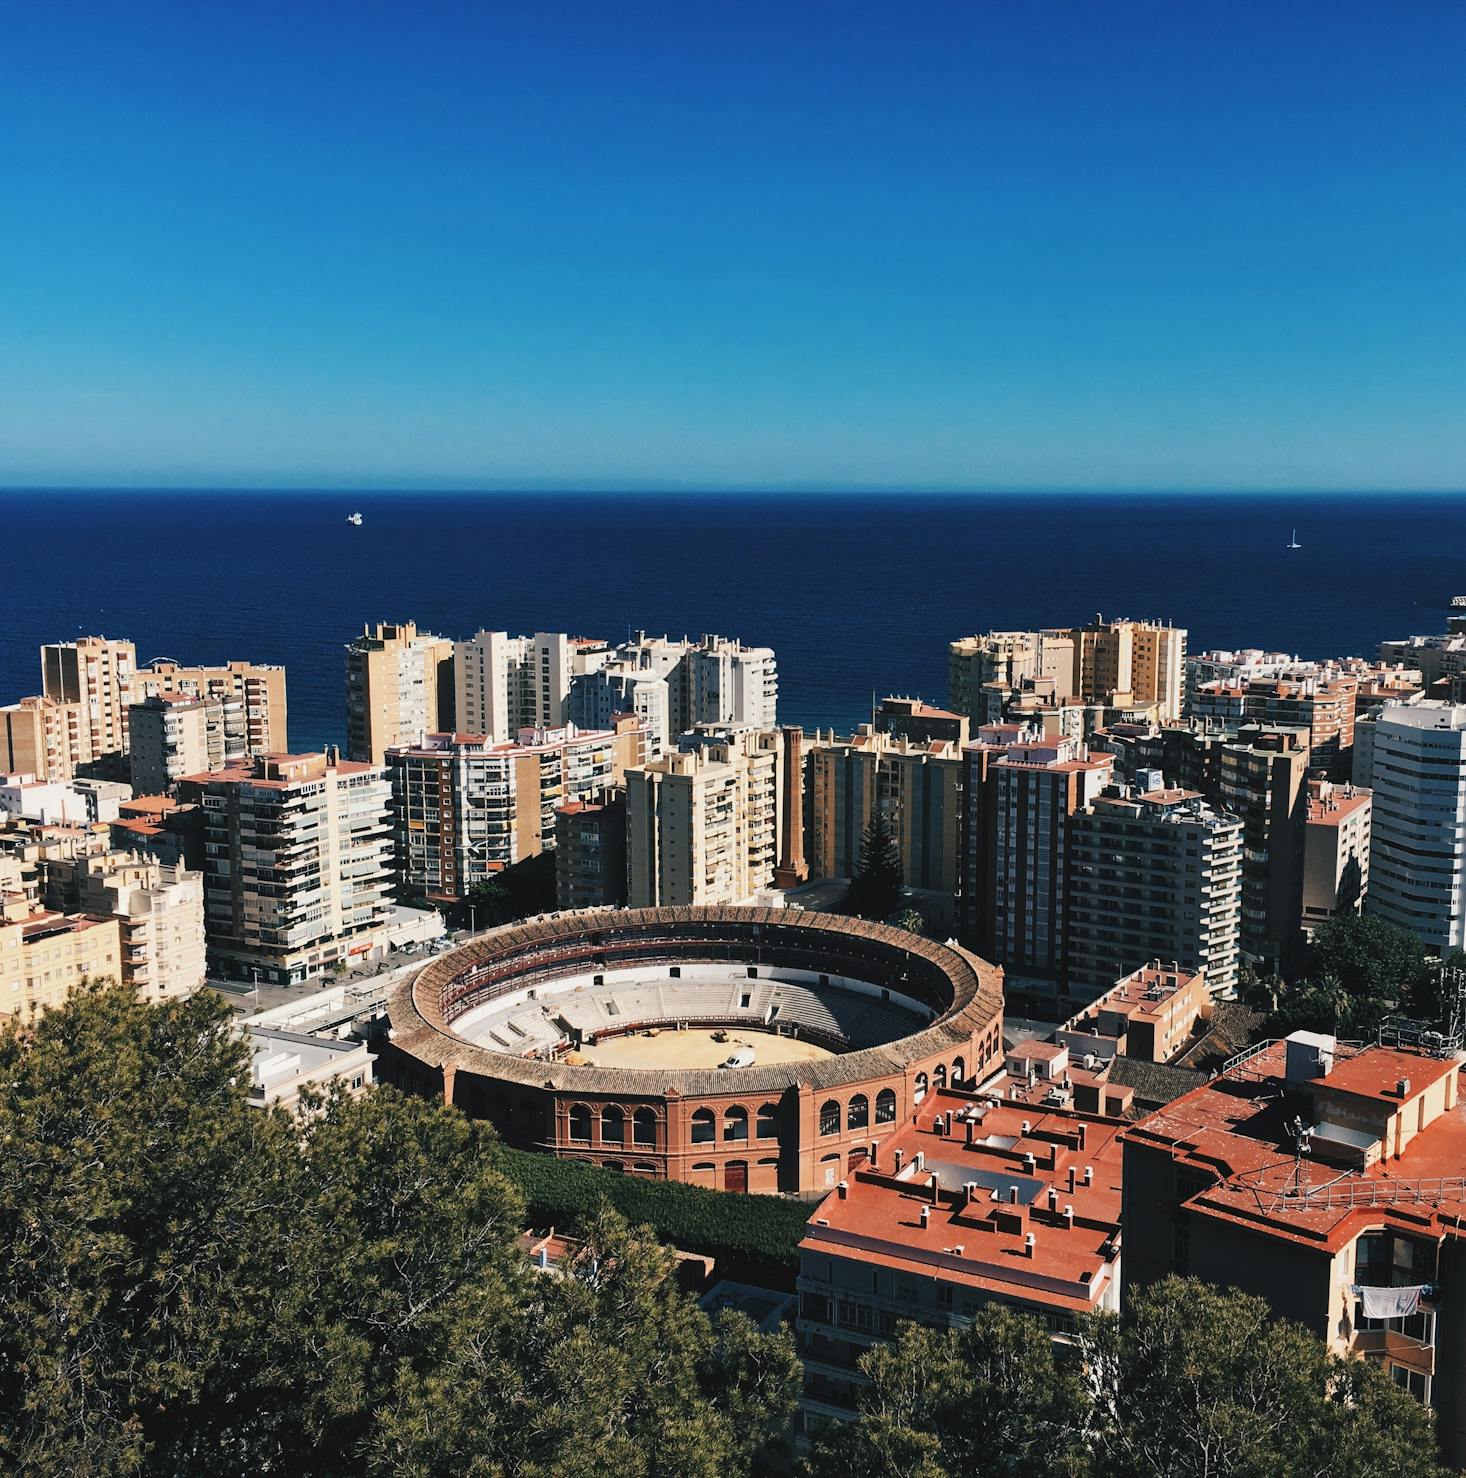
[696, 1048]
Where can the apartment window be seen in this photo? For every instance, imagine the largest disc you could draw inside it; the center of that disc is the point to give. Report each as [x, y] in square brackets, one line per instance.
[1411, 1380]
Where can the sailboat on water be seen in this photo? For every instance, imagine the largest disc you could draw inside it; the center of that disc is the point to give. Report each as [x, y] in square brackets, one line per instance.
[1293, 542]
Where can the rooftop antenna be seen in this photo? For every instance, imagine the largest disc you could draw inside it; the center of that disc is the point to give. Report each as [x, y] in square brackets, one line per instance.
[1302, 1136]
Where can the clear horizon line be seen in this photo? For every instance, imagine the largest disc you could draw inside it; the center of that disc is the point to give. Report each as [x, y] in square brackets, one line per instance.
[664, 487]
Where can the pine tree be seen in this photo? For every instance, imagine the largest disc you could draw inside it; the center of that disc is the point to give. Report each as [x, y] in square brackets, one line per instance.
[876, 889]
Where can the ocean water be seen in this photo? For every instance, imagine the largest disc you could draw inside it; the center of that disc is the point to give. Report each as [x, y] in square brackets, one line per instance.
[858, 594]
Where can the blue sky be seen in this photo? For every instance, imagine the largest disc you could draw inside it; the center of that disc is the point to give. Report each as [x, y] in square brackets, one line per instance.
[939, 245]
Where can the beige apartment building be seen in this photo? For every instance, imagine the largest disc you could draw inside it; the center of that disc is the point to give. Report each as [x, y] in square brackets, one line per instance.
[251, 694]
[160, 911]
[1006, 657]
[466, 807]
[45, 955]
[703, 824]
[1018, 795]
[1150, 1015]
[173, 735]
[399, 686]
[98, 673]
[298, 853]
[1122, 663]
[916, 786]
[1336, 836]
[45, 737]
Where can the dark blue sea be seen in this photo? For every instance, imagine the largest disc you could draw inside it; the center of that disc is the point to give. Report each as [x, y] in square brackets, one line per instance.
[857, 593]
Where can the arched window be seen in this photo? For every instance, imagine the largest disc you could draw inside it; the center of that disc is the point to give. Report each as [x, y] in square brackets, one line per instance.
[643, 1167]
[920, 1088]
[579, 1122]
[859, 1115]
[768, 1121]
[704, 1127]
[615, 1165]
[939, 1075]
[830, 1117]
[959, 1072]
[613, 1125]
[735, 1123]
[886, 1106]
[644, 1126]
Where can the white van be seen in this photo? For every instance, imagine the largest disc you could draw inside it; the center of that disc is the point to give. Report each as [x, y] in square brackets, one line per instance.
[741, 1057]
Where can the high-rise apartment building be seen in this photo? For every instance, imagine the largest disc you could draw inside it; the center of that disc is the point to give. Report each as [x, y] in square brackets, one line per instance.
[298, 863]
[1108, 669]
[465, 807]
[596, 697]
[1262, 781]
[590, 851]
[916, 786]
[504, 683]
[702, 824]
[160, 912]
[173, 735]
[250, 694]
[1140, 662]
[1323, 704]
[1018, 794]
[1154, 874]
[98, 673]
[44, 737]
[714, 682]
[1417, 869]
[1336, 840]
[1006, 657]
[399, 686]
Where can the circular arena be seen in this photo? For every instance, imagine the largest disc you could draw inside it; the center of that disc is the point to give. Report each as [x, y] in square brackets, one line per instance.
[747, 1049]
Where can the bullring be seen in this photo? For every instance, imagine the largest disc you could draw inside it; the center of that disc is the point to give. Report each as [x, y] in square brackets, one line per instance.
[508, 1028]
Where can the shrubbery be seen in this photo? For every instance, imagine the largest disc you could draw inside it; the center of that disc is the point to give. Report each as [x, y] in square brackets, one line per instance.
[749, 1235]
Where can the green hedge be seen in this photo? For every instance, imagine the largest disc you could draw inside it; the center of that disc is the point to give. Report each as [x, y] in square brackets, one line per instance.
[751, 1236]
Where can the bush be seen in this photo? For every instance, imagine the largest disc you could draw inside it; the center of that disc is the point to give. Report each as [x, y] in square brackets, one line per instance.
[755, 1237]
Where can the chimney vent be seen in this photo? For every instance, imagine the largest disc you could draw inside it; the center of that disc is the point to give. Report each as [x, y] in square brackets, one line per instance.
[1089, 1175]
[844, 1189]
[1028, 1243]
[926, 1214]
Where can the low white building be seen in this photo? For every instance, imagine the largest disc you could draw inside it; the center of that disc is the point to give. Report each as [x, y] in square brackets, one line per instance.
[285, 1063]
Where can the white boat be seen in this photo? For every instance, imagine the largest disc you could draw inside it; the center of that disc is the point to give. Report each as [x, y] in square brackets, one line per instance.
[354, 518]
[1293, 542]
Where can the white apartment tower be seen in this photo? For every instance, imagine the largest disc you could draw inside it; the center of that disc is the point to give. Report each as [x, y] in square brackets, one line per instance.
[1417, 862]
[504, 683]
[716, 681]
[298, 855]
